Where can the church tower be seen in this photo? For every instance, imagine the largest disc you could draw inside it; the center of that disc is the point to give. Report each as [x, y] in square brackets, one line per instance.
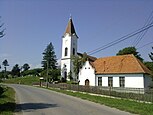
[69, 48]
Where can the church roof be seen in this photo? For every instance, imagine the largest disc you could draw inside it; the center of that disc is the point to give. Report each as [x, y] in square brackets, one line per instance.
[70, 28]
[120, 64]
[90, 58]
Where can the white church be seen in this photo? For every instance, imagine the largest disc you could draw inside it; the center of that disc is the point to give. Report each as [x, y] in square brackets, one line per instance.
[115, 71]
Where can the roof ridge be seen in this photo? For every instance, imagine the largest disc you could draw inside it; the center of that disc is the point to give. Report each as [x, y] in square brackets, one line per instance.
[116, 56]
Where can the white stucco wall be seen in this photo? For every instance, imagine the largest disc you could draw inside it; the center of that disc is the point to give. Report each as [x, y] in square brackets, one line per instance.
[69, 42]
[87, 72]
[131, 80]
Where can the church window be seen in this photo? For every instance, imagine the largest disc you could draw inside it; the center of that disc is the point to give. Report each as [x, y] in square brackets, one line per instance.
[73, 51]
[66, 51]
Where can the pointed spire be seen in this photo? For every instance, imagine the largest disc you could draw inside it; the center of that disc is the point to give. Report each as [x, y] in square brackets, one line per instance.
[70, 28]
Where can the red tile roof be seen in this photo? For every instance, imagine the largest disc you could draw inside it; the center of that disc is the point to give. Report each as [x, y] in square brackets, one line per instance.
[120, 64]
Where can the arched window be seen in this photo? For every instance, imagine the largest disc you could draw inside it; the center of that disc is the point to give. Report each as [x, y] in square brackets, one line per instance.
[73, 51]
[87, 82]
[66, 51]
[65, 75]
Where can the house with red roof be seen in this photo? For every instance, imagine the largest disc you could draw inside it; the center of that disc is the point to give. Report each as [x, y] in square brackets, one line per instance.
[116, 71]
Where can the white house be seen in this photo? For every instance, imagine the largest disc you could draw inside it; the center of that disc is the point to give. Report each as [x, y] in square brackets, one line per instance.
[116, 71]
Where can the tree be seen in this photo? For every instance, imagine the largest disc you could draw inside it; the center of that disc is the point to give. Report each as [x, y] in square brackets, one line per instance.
[25, 67]
[54, 74]
[130, 50]
[16, 71]
[149, 65]
[151, 55]
[1, 31]
[49, 57]
[5, 64]
[78, 62]
[33, 72]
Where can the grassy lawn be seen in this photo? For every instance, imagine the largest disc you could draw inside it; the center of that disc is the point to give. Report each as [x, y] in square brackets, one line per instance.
[27, 80]
[122, 104]
[7, 102]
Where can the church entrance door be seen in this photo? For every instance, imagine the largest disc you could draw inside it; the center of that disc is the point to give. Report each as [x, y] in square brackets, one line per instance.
[65, 75]
[87, 82]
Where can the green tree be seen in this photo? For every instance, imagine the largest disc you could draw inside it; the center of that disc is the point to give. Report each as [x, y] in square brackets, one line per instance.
[54, 74]
[130, 50]
[16, 71]
[151, 55]
[49, 57]
[33, 72]
[25, 67]
[78, 62]
[149, 65]
[5, 64]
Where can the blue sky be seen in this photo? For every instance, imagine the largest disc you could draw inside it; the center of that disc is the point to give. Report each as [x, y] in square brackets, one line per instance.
[32, 24]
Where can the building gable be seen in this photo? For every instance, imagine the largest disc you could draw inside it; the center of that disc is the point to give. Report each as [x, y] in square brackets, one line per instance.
[87, 72]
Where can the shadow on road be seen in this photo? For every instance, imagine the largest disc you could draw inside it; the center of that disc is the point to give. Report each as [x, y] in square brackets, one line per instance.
[6, 107]
[33, 106]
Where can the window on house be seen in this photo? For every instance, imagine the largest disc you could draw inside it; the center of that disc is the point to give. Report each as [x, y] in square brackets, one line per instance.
[122, 81]
[99, 81]
[73, 51]
[66, 51]
[110, 81]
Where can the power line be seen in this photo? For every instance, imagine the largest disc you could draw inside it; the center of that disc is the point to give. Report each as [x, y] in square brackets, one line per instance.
[141, 36]
[120, 39]
[145, 45]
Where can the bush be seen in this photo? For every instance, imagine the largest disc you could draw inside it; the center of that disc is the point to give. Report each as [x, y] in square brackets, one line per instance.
[1, 90]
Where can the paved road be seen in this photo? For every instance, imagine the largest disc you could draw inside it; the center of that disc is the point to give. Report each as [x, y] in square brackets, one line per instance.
[37, 101]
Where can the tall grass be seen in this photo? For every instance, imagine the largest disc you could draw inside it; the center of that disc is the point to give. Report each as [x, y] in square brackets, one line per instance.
[7, 101]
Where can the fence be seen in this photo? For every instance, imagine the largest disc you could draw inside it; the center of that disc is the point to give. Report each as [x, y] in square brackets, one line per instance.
[138, 94]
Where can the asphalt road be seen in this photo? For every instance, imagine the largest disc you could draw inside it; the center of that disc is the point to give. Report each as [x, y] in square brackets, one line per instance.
[38, 101]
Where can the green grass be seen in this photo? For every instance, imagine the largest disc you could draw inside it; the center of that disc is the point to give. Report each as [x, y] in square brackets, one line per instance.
[7, 102]
[27, 80]
[122, 104]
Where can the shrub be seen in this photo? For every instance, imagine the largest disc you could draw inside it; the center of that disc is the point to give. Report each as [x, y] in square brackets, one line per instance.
[1, 90]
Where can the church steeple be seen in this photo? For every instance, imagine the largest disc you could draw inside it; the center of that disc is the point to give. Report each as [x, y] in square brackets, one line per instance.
[69, 49]
[70, 28]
